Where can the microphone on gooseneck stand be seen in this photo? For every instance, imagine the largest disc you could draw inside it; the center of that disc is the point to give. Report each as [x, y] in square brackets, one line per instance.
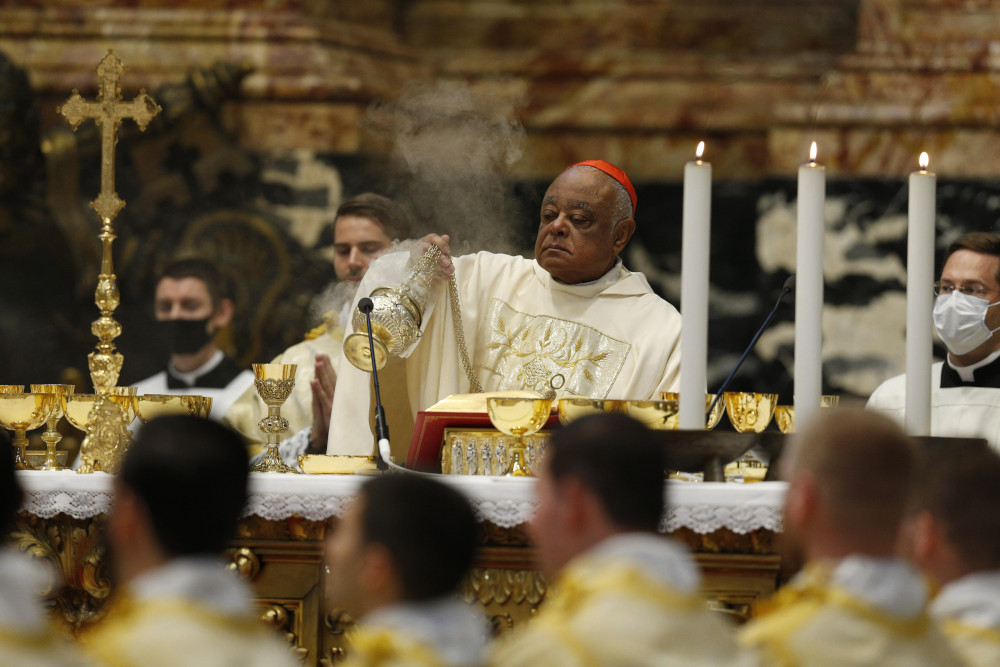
[786, 289]
[382, 453]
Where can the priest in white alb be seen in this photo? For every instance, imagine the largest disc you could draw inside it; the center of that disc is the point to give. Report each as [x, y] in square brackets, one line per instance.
[573, 320]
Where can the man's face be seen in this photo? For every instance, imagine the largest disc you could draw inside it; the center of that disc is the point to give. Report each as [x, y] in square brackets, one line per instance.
[549, 523]
[968, 268]
[356, 242]
[577, 240]
[345, 554]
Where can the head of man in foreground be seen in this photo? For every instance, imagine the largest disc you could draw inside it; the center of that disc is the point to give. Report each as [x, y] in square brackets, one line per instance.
[181, 490]
[406, 539]
[587, 219]
[601, 476]
[849, 476]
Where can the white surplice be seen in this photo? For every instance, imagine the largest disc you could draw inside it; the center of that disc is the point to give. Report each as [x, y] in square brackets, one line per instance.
[609, 338]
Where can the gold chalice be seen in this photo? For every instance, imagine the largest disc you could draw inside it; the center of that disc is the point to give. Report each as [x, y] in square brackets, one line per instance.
[518, 417]
[150, 406]
[79, 410]
[11, 388]
[785, 414]
[51, 437]
[206, 406]
[571, 409]
[750, 412]
[656, 415]
[21, 413]
[274, 383]
[711, 420]
[125, 398]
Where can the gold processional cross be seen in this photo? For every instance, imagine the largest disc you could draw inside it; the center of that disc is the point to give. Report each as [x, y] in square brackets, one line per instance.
[107, 433]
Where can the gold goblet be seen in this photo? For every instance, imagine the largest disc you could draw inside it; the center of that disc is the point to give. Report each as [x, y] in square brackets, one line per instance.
[518, 417]
[750, 412]
[274, 383]
[785, 414]
[150, 406]
[571, 409]
[11, 388]
[711, 419]
[656, 415]
[21, 413]
[51, 437]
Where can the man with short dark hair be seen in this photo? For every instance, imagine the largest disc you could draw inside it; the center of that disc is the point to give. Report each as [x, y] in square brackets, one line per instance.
[855, 602]
[193, 302]
[181, 489]
[365, 226]
[956, 540]
[965, 388]
[620, 593]
[26, 636]
[573, 321]
[396, 560]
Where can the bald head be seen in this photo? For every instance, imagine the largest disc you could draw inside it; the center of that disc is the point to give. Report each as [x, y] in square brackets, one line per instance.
[852, 470]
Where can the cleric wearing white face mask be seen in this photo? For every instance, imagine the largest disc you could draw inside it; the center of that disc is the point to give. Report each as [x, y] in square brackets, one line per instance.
[965, 396]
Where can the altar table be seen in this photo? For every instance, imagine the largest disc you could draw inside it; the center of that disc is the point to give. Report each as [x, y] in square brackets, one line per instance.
[730, 527]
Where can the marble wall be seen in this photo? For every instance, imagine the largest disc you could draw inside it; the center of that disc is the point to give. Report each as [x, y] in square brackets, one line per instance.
[636, 82]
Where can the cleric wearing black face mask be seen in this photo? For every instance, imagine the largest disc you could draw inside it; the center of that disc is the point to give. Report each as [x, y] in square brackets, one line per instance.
[192, 303]
[965, 387]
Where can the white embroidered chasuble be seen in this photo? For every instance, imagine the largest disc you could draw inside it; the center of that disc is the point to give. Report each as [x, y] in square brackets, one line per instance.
[609, 338]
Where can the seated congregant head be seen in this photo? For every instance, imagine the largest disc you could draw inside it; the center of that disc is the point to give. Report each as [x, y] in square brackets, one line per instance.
[849, 476]
[406, 539]
[180, 492]
[587, 219]
[956, 522]
[601, 475]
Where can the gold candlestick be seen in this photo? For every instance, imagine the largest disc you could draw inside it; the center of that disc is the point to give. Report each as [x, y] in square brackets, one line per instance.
[274, 383]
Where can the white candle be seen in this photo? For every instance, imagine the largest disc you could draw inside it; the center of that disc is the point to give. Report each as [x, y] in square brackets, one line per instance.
[919, 298]
[809, 289]
[696, 229]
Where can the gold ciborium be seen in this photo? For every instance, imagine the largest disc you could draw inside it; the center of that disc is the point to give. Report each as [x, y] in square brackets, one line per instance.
[711, 419]
[51, 437]
[21, 413]
[11, 388]
[784, 415]
[150, 406]
[396, 316]
[571, 409]
[750, 412]
[274, 383]
[656, 415]
[518, 417]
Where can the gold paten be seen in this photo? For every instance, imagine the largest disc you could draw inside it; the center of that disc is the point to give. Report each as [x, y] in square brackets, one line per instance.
[326, 464]
[51, 437]
[477, 451]
[21, 413]
[107, 431]
[274, 383]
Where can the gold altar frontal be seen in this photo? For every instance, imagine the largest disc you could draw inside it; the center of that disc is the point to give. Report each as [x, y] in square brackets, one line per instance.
[283, 557]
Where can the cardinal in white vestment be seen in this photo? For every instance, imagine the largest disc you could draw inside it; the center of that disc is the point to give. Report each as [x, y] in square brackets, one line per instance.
[573, 319]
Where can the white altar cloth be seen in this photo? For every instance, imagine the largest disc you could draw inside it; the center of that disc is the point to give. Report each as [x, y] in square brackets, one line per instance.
[701, 507]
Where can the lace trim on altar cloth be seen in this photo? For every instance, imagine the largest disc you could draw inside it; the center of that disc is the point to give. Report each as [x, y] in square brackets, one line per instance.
[77, 504]
[704, 519]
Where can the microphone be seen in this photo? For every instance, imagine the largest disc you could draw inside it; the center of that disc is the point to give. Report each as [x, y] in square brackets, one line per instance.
[382, 453]
[788, 287]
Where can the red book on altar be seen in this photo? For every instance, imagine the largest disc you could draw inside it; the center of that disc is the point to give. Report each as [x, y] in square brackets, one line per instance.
[456, 411]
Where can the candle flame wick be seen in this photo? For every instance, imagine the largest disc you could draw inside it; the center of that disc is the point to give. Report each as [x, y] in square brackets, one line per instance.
[700, 150]
[812, 152]
[924, 161]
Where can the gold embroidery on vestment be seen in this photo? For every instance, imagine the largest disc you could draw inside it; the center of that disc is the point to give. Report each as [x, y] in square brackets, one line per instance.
[526, 351]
